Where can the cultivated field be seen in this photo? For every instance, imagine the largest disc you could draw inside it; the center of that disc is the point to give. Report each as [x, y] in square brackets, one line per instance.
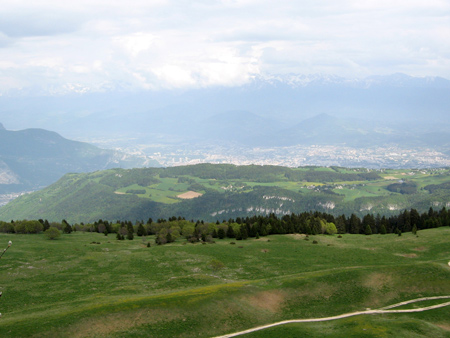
[91, 285]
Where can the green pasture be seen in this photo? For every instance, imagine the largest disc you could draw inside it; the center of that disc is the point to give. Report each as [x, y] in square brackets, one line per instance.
[91, 285]
[168, 188]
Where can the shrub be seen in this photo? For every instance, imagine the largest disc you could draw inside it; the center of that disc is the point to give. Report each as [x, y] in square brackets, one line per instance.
[315, 242]
[216, 265]
[52, 233]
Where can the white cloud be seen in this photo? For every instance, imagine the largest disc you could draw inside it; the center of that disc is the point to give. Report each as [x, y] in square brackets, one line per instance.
[168, 43]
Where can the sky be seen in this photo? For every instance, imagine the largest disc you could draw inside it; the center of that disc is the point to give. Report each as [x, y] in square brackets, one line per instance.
[57, 47]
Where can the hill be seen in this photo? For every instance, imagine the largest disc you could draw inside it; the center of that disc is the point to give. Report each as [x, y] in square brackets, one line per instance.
[33, 158]
[224, 191]
[88, 285]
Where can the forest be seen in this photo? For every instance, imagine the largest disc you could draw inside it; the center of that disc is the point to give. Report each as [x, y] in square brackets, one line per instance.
[308, 223]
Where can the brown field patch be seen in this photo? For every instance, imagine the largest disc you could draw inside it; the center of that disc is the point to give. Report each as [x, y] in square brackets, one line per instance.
[267, 300]
[378, 280]
[420, 248]
[444, 326]
[297, 236]
[106, 325]
[413, 255]
[119, 193]
[189, 195]
[383, 286]
[390, 178]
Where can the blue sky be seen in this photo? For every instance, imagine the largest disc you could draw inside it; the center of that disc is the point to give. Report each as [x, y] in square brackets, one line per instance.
[53, 46]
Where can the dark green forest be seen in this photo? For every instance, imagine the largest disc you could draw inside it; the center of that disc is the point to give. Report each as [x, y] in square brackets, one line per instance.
[309, 223]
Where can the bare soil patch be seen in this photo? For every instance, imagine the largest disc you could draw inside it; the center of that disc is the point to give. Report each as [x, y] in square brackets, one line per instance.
[189, 195]
[378, 280]
[267, 300]
[390, 178]
[420, 248]
[383, 288]
[296, 236]
[444, 326]
[109, 324]
[119, 193]
[413, 255]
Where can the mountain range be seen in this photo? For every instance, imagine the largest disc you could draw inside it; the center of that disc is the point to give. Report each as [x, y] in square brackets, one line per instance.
[265, 106]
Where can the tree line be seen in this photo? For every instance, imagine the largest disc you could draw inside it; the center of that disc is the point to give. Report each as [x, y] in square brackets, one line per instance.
[310, 223]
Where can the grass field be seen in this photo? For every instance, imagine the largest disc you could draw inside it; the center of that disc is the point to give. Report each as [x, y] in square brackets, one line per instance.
[166, 191]
[90, 285]
[231, 191]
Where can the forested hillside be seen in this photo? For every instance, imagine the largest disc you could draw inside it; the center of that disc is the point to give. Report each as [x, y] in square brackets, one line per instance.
[216, 192]
[34, 158]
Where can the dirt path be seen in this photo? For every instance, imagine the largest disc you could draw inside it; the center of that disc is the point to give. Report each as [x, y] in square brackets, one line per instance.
[386, 309]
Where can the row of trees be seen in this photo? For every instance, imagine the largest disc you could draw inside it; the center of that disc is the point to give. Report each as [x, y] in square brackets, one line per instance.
[311, 223]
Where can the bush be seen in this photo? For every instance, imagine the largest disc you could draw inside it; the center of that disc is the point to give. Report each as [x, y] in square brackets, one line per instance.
[216, 265]
[315, 242]
[52, 233]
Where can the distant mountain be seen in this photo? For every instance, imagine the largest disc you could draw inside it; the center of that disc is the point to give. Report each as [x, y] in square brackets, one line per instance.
[169, 116]
[34, 158]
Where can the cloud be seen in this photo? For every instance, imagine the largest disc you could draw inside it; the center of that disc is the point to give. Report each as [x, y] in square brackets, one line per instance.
[99, 44]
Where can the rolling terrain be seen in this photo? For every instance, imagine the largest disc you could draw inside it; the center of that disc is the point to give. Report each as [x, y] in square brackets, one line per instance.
[217, 192]
[89, 285]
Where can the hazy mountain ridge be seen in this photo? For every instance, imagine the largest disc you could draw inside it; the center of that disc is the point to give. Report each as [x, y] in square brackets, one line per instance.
[34, 158]
[267, 114]
[288, 99]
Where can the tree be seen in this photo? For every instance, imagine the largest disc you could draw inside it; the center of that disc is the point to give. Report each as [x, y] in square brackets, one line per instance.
[169, 238]
[221, 233]
[67, 229]
[330, 229]
[367, 230]
[141, 230]
[243, 231]
[101, 228]
[46, 225]
[52, 233]
[354, 224]
[130, 231]
[340, 224]
[230, 232]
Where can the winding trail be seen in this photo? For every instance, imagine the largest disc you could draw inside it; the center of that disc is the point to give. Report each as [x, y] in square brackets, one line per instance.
[386, 309]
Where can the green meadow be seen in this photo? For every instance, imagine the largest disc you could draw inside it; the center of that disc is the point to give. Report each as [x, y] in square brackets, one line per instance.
[221, 191]
[91, 285]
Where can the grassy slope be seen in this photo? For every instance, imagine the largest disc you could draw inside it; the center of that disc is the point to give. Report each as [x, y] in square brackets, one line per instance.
[88, 197]
[74, 288]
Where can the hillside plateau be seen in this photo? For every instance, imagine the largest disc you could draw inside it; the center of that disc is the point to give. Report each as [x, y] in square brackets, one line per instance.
[223, 191]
